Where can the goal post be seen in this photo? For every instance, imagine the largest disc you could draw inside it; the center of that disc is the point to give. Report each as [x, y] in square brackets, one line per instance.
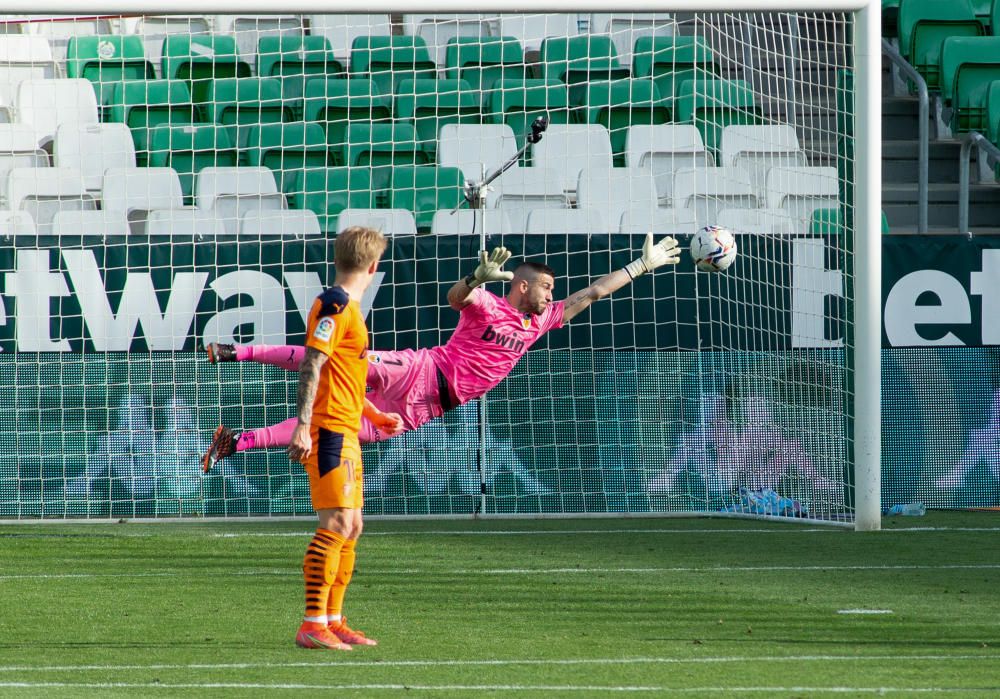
[175, 180]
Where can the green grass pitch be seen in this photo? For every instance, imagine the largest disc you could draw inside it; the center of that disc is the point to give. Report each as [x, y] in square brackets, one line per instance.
[570, 608]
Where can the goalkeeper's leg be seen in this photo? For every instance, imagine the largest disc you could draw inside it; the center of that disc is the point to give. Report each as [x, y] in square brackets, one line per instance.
[283, 356]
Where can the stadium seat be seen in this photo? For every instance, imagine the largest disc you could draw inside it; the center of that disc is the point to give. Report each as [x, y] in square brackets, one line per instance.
[57, 32]
[923, 27]
[829, 221]
[43, 191]
[425, 189]
[565, 222]
[430, 104]
[287, 148]
[518, 103]
[476, 148]
[381, 147]
[521, 190]
[657, 220]
[626, 27]
[23, 58]
[342, 29]
[388, 60]
[45, 104]
[469, 222]
[102, 223]
[142, 105]
[18, 148]
[968, 66]
[483, 61]
[757, 221]
[712, 105]
[578, 60]
[92, 149]
[568, 148]
[612, 191]
[106, 60]
[438, 30]
[671, 61]
[295, 60]
[758, 148]
[709, 191]
[532, 29]
[993, 112]
[155, 28]
[230, 193]
[198, 60]
[238, 103]
[287, 223]
[390, 222]
[329, 190]
[188, 149]
[334, 103]
[15, 224]
[618, 105]
[664, 148]
[250, 29]
[138, 191]
[186, 222]
[801, 190]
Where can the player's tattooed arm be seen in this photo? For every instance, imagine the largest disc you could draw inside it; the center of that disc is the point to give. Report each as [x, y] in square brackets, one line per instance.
[300, 444]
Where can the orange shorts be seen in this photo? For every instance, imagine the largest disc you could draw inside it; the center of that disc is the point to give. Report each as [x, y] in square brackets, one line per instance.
[334, 470]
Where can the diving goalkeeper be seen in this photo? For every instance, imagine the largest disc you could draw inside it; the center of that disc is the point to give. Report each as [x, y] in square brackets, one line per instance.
[493, 333]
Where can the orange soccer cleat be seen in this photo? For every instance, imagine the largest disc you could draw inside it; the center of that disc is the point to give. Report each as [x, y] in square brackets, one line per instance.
[219, 352]
[314, 635]
[223, 445]
[348, 635]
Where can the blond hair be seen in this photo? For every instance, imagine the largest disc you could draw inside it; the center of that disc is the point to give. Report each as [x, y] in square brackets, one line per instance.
[357, 247]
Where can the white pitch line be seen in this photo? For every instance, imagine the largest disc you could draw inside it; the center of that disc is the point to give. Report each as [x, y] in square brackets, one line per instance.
[375, 572]
[864, 611]
[503, 663]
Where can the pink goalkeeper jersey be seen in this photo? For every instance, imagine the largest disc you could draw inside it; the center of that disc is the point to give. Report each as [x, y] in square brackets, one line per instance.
[490, 338]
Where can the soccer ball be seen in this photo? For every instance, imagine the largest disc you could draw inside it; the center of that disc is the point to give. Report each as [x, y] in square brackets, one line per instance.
[713, 249]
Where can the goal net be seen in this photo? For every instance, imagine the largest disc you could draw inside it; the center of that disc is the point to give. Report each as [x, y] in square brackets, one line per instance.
[171, 181]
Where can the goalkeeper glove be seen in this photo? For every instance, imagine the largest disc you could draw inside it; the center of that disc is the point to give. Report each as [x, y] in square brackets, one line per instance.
[662, 253]
[489, 268]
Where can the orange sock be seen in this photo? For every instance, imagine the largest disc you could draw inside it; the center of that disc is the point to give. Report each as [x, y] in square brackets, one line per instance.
[345, 570]
[319, 567]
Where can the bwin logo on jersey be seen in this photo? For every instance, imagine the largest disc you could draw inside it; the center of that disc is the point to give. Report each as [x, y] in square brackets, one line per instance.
[492, 335]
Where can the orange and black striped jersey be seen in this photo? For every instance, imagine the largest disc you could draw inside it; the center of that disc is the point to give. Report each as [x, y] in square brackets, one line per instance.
[337, 328]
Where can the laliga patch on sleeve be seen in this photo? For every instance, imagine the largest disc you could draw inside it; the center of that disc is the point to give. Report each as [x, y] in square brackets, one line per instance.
[324, 330]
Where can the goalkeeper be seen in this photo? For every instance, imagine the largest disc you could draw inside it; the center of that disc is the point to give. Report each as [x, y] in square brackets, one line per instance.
[493, 333]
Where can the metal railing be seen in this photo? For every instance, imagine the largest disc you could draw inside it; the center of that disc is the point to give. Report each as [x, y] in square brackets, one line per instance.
[910, 72]
[971, 140]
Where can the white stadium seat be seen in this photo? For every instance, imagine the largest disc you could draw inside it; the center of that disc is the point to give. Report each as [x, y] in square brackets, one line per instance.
[138, 191]
[155, 28]
[757, 149]
[625, 27]
[45, 104]
[708, 191]
[468, 222]
[659, 221]
[532, 29]
[287, 223]
[93, 148]
[103, 223]
[232, 192]
[473, 147]
[43, 191]
[16, 223]
[185, 222]
[802, 190]
[249, 28]
[568, 148]
[757, 221]
[342, 30]
[566, 221]
[22, 57]
[58, 31]
[389, 221]
[438, 28]
[612, 191]
[663, 149]
[521, 190]
[18, 148]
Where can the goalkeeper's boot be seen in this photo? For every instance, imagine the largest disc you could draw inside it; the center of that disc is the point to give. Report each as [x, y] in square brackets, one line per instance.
[348, 635]
[219, 352]
[313, 635]
[223, 445]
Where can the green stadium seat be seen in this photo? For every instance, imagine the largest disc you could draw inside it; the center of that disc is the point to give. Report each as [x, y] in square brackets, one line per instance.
[286, 149]
[430, 104]
[388, 60]
[829, 221]
[481, 61]
[993, 112]
[295, 60]
[577, 60]
[188, 149]
[712, 105]
[327, 191]
[923, 27]
[334, 103]
[144, 104]
[240, 102]
[518, 103]
[106, 60]
[382, 147]
[425, 189]
[672, 60]
[201, 58]
[968, 66]
[619, 104]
